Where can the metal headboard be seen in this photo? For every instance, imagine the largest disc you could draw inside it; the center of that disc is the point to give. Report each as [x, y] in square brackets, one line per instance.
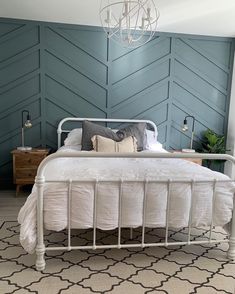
[60, 130]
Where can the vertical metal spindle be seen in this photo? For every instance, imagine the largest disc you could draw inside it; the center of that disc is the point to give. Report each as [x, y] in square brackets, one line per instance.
[144, 211]
[120, 213]
[94, 214]
[213, 208]
[190, 211]
[167, 210]
[69, 213]
[231, 250]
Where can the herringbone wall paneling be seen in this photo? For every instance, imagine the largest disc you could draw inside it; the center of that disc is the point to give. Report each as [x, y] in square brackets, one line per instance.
[56, 70]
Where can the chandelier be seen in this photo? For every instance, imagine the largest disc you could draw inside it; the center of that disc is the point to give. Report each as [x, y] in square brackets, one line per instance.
[130, 22]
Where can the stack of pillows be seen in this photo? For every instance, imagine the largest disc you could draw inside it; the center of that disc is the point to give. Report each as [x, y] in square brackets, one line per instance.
[91, 136]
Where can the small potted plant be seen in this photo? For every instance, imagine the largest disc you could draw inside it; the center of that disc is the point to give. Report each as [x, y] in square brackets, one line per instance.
[213, 143]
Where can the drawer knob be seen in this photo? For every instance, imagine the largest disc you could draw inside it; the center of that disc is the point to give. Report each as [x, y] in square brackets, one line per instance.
[29, 160]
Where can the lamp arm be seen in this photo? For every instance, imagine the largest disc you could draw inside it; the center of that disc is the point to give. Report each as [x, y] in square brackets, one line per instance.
[191, 141]
[22, 137]
[193, 124]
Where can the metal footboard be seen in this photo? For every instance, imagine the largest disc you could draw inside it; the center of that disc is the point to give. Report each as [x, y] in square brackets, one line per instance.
[40, 182]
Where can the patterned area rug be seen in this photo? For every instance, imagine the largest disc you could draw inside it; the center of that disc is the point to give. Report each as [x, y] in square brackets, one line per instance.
[174, 270]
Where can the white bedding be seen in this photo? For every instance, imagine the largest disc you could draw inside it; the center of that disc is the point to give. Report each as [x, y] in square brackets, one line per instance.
[55, 195]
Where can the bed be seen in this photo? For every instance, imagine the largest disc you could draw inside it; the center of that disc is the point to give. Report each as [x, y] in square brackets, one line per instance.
[101, 190]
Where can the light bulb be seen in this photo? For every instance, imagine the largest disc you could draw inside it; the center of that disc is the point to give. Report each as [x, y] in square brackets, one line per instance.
[28, 124]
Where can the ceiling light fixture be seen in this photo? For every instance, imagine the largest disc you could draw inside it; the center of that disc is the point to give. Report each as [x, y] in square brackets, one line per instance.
[131, 22]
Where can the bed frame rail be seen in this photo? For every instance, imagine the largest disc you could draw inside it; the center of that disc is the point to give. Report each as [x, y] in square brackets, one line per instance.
[40, 182]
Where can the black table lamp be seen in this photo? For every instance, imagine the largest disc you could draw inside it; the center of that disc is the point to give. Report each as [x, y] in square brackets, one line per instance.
[24, 124]
[185, 128]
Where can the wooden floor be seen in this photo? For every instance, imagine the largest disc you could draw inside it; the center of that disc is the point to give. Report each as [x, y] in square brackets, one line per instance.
[10, 204]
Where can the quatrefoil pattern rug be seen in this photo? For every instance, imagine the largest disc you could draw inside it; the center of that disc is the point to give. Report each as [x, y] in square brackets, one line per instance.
[186, 269]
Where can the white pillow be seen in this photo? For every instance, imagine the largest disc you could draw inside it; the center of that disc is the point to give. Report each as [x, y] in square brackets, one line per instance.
[74, 138]
[156, 147]
[151, 139]
[102, 144]
[70, 148]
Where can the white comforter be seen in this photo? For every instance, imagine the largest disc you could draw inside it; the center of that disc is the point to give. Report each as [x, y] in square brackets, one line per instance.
[55, 195]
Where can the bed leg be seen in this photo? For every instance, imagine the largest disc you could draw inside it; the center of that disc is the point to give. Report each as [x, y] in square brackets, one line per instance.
[231, 250]
[40, 260]
[40, 248]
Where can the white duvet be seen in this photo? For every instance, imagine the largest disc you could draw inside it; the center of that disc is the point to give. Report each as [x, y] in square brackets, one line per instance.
[82, 200]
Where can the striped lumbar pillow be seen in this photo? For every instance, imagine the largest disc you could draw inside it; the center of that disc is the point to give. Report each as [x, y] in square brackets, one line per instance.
[102, 144]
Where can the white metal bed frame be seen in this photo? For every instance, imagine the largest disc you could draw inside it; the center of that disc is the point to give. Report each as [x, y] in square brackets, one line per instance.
[40, 182]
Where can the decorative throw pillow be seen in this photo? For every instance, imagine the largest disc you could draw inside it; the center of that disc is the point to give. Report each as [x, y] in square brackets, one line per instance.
[102, 144]
[89, 129]
[136, 130]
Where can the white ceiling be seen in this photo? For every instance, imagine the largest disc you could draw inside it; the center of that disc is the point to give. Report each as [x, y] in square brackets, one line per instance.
[203, 17]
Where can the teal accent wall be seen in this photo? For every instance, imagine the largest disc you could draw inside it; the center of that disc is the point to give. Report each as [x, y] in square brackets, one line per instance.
[58, 70]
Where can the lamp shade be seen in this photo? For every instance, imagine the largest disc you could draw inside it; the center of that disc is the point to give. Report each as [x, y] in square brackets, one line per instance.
[28, 124]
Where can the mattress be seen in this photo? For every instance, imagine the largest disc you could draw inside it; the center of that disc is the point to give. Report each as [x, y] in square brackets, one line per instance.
[115, 170]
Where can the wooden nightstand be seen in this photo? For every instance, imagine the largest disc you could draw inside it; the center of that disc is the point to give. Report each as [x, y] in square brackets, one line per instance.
[195, 160]
[25, 165]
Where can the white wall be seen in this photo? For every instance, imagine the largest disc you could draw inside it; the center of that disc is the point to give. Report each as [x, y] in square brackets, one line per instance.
[229, 170]
[200, 17]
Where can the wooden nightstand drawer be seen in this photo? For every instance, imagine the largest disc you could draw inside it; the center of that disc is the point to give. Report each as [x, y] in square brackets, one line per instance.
[28, 160]
[26, 173]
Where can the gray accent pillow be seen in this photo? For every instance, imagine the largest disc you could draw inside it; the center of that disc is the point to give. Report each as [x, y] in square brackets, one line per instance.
[90, 129]
[136, 130]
